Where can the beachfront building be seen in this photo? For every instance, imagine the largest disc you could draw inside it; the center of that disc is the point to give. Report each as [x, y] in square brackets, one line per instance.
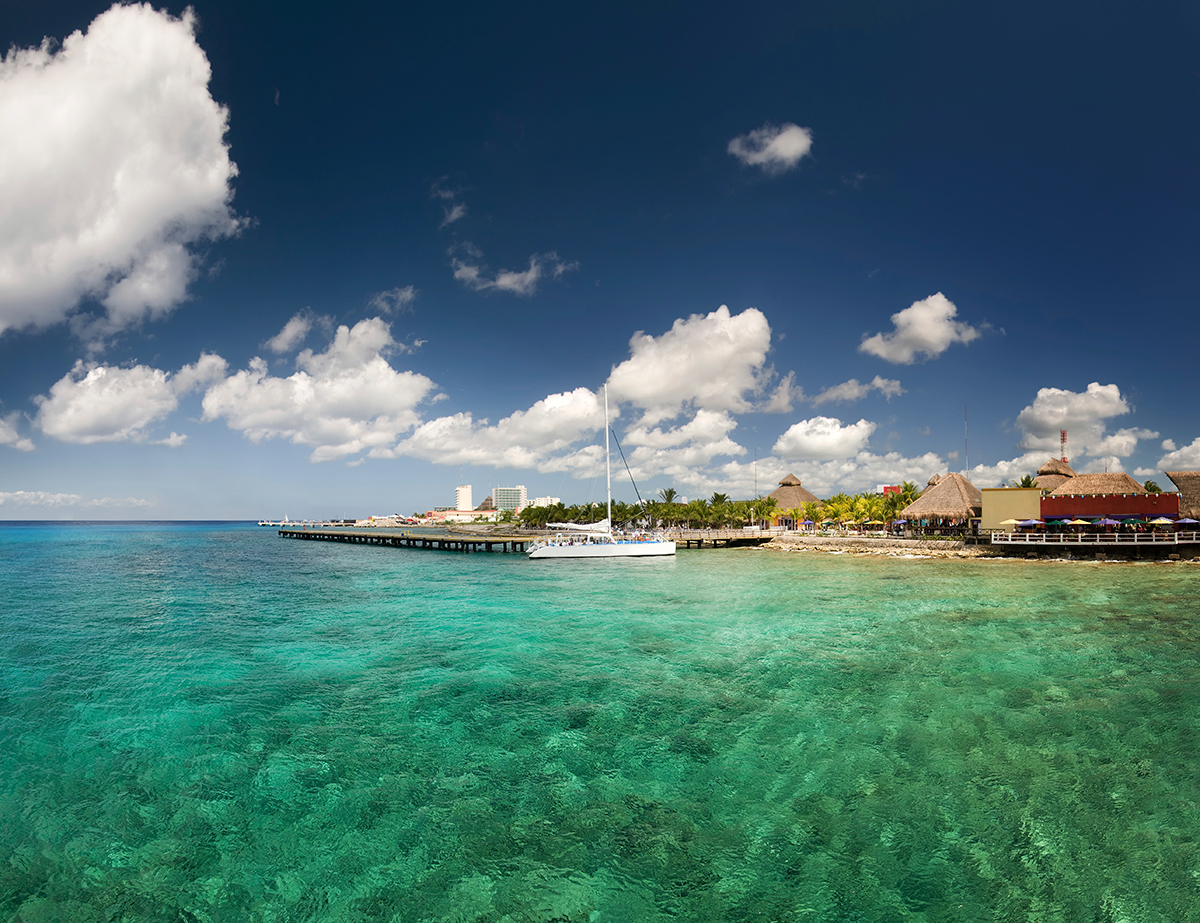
[1052, 475]
[1188, 483]
[510, 498]
[462, 498]
[950, 502]
[1008, 504]
[1114, 495]
[789, 495]
[545, 501]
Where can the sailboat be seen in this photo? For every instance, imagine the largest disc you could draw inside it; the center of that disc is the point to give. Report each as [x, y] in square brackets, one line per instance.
[598, 540]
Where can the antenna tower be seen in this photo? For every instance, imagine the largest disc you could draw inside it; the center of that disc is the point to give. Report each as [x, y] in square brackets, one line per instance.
[1062, 444]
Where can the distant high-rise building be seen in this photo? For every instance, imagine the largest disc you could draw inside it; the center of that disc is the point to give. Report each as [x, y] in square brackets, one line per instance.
[510, 498]
[544, 501]
[462, 498]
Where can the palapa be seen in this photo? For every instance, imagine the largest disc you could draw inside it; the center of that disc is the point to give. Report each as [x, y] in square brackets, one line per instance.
[790, 495]
[1188, 483]
[950, 496]
[1053, 474]
[1089, 485]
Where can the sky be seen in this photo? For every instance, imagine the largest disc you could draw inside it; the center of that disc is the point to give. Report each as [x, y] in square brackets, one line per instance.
[312, 260]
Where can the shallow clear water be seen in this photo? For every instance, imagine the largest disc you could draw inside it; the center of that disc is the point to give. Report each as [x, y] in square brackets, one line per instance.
[208, 722]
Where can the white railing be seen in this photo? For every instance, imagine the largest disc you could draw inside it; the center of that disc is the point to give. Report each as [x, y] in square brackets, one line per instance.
[1094, 538]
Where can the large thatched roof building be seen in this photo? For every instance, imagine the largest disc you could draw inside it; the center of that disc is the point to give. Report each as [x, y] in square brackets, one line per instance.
[1188, 483]
[1053, 474]
[950, 496]
[790, 495]
[1114, 494]
[1087, 485]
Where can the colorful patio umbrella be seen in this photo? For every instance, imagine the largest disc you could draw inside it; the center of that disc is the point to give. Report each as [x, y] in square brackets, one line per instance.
[1187, 521]
[1010, 522]
[1079, 522]
[1162, 521]
[1027, 523]
[1107, 522]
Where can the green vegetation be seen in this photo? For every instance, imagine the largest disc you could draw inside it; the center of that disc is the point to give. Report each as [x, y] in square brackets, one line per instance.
[1152, 488]
[1026, 481]
[719, 512]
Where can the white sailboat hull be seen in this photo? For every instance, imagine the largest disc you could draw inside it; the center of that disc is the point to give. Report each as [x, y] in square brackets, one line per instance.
[613, 549]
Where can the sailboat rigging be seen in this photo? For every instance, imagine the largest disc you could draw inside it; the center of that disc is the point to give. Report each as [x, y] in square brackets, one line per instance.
[598, 539]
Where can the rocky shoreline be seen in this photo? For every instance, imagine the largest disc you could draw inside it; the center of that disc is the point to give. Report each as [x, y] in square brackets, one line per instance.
[890, 547]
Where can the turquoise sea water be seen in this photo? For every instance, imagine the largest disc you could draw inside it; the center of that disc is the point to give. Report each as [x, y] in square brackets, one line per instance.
[206, 722]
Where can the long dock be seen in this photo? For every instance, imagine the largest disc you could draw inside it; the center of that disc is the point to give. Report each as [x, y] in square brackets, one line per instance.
[374, 536]
[719, 538]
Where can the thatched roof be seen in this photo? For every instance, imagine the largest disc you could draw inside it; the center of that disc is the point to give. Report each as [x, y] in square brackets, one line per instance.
[1056, 466]
[1049, 482]
[1188, 483]
[933, 480]
[951, 496]
[789, 495]
[1085, 485]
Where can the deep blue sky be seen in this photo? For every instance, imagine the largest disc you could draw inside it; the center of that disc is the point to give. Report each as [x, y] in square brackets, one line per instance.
[1036, 166]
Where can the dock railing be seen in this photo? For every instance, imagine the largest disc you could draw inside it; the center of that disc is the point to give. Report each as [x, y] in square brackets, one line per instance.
[1095, 538]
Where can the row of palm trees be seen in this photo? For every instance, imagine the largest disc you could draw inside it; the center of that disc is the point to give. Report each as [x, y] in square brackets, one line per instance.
[720, 512]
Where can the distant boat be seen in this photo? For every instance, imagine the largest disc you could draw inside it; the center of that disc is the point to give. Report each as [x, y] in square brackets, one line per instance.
[598, 539]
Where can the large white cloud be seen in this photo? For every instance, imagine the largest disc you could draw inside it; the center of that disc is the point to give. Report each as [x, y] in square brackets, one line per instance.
[925, 328]
[709, 361]
[114, 163]
[343, 401]
[1185, 458]
[1083, 414]
[773, 148]
[104, 403]
[526, 439]
[824, 438]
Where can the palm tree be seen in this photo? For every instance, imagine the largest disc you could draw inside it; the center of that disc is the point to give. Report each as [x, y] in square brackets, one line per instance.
[668, 495]
[812, 510]
[1026, 481]
[1152, 488]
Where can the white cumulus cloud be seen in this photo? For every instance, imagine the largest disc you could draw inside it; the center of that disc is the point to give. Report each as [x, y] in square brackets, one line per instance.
[824, 438]
[114, 163]
[103, 403]
[1186, 458]
[343, 401]
[525, 439]
[925, 328]
[854, 390]
[707, 361]
[773, 148]
[1082, 413]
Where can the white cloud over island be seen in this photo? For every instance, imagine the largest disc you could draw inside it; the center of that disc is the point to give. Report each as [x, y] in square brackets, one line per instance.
[115, 165]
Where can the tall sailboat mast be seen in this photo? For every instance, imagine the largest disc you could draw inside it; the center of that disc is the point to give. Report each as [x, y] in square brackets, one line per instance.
[607, 466]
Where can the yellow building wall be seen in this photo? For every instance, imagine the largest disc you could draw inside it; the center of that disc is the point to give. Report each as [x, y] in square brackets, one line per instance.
[1001, 503]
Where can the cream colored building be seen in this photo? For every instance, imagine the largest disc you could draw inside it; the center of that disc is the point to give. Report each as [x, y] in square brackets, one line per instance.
[1001, 503]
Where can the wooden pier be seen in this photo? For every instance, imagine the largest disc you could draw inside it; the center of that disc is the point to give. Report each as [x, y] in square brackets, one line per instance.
[375, 536]
[719, 538]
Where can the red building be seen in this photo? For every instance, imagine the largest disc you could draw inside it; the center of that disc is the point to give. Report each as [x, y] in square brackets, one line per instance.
[1107, 495]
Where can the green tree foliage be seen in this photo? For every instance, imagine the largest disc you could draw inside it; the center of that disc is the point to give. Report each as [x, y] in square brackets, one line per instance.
[1152, 488]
